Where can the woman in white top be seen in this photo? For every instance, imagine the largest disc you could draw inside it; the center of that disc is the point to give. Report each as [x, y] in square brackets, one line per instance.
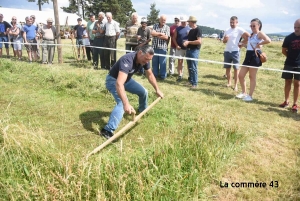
[255, 42]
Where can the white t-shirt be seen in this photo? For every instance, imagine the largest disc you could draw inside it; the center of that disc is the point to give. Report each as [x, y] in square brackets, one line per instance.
[234, 38]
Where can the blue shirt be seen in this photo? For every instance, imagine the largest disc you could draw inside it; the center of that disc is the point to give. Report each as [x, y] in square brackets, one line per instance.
[3, 27]
[30, 31]
[127, 64]
[79, 30]
[182, 34]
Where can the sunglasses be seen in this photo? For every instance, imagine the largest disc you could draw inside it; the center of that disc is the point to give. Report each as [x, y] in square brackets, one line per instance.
[252, 26]
[176, 20]
[13, 19]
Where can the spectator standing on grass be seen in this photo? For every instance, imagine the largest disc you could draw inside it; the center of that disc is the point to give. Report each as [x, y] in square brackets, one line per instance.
[221, 35]
[193, 45]
[79, 37]
[161, 36]
[99, 32]
[180, 35]
[255, 42]
[112, 32]
[143, 36]
[173, 46]
[90, 35]
[48, 35]
[29, 37]
[4, 26]
[119, 80]
[130, 32]
[232, 50]
[86, 43]
[16, 36]
[291, 49]
[143, 33]
[37, 37]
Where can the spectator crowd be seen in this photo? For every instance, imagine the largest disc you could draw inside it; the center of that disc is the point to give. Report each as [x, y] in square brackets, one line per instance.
[97, 41]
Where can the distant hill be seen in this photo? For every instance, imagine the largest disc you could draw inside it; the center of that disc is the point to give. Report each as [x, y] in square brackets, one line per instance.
[205, 30]
[280, 34]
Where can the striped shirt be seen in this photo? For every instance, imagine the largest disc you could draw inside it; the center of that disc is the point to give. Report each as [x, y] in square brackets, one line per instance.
[158, 43]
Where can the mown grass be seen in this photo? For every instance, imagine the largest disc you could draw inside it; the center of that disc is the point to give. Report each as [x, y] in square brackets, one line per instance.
[51, 115]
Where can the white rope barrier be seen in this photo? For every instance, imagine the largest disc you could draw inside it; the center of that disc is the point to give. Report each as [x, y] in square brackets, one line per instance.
[176, 57]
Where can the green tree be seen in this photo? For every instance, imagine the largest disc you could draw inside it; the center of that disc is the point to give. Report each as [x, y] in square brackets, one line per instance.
[120, 9]
[153, 16]
[40, 3]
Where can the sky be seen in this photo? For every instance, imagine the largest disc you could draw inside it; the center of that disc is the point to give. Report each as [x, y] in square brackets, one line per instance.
[276, 15]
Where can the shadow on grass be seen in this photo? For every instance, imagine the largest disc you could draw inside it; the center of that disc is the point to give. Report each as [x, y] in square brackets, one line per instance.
[283, 113]
[93, 117]
[217, 77]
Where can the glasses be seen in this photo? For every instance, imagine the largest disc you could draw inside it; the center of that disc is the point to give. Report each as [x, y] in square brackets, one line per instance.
[13, 19]
[176, 20]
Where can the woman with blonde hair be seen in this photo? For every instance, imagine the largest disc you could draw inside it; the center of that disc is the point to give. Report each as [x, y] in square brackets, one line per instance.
[255, 42]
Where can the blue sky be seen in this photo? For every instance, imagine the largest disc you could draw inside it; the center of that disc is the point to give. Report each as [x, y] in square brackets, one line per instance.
[276, 15]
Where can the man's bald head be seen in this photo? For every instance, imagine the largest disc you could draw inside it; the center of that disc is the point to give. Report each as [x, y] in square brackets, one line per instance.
[297, 27]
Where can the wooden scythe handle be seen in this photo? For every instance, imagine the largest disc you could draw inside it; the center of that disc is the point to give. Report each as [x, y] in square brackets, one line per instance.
[123, 130]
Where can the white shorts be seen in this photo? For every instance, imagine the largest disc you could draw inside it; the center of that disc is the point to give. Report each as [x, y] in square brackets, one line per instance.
[180, 53]
[17, 44]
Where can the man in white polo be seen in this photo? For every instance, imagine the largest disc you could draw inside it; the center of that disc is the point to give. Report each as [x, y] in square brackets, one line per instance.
[232, 37]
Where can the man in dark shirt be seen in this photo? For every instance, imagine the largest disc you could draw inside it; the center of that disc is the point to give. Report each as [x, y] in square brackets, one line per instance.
[193, 45]
[120, 80]
[4, 26]
[79, 39]
[291, 49]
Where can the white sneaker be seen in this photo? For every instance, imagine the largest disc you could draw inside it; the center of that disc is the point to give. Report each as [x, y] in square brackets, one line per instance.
[247, 98]
[241, 95]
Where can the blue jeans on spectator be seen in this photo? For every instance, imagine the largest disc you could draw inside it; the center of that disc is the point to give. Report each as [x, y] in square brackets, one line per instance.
[4, 39]
[98, 42]
[159, 63]
[117, 114]
[193, 65]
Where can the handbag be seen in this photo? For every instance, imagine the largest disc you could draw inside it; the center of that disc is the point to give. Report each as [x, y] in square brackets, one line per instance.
[262, 55]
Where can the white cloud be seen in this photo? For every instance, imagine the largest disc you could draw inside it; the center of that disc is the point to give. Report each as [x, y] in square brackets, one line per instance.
[242, 4]
[285, 12]
[212, 14]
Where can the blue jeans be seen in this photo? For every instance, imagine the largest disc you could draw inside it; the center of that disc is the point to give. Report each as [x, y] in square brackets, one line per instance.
[193, 65]
[4, 39]
[117, 114]
[159, 63]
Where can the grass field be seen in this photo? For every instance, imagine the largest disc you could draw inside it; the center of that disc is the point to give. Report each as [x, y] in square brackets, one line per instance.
[187, 147]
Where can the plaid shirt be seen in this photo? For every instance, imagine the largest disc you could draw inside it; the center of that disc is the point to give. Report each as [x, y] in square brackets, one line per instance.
[158, 43]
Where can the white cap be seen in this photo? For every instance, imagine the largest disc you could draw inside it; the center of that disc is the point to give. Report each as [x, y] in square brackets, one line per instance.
[183, 19]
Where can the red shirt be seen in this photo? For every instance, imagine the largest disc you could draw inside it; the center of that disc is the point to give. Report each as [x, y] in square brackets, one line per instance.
[172, 31]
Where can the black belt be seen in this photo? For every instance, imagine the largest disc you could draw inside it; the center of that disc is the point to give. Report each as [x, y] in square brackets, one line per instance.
[99, 36]
[48, 39]
[191, 48]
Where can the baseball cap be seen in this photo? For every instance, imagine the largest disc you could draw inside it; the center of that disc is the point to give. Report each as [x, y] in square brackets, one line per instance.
[143, 20]
[49, 20]
[182, 19]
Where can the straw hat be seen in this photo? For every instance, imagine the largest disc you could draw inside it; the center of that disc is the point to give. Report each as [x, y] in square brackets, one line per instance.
[192, 19]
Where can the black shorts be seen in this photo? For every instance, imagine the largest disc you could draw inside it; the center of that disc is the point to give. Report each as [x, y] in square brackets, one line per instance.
[251, 59]
[290, 76]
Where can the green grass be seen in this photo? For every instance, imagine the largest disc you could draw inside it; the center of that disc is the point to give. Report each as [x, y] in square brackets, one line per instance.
[180, 150]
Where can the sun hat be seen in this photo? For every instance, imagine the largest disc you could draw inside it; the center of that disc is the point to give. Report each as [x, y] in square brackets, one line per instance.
[192, 19]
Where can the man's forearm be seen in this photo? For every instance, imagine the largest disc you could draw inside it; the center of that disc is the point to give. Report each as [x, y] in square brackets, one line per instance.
[122, 94]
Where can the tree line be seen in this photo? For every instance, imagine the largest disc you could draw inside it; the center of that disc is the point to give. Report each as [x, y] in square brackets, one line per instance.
[121, 10]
